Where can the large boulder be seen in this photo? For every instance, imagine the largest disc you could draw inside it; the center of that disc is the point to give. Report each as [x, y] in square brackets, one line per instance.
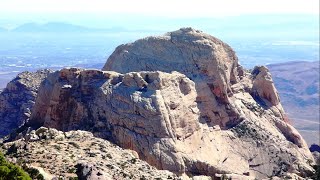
[17, 100]
[88, 171]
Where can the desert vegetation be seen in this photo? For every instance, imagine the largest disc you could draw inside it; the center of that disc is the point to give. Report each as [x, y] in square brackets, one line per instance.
[9, 171]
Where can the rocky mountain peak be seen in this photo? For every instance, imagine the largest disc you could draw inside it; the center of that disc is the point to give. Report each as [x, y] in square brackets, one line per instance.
[206, 60]
[186, 50]
[182, 103]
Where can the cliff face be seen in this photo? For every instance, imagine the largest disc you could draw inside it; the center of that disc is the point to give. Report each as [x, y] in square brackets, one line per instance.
[17, 100]
[184, 104]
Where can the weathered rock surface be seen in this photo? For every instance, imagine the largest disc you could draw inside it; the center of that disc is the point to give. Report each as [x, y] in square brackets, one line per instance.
[264, 88]
[145, 111]
[156, 115]
[90, 171]
[158, 105]
[78, 154]
[206, 60]
[203, 115]
[227, 96]
[17, 100]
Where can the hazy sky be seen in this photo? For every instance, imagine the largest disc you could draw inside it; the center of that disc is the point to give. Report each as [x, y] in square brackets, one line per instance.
[151, 14]
[165, 8]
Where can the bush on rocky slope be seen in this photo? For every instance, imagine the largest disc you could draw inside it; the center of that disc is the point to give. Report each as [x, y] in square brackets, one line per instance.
[10, 171]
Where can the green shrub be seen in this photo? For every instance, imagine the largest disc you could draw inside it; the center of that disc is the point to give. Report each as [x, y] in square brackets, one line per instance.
[4, 171]
[33, 173]
[72, 170]
[9, 171]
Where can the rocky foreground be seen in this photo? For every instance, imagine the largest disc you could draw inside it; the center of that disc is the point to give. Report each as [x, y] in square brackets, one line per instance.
[72, 154]
[181, 102]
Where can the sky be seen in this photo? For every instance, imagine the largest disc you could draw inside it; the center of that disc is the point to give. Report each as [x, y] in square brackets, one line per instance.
[163, 8]
[143, 13]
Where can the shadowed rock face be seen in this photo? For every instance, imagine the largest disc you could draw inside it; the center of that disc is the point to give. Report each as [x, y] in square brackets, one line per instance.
[17, 100]
[172, 120]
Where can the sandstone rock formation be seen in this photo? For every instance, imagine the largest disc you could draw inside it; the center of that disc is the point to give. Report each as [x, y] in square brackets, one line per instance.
[156, 115]
[183, 103]
[152, 104]
[206, 60]
[226, 94]
[17, 100]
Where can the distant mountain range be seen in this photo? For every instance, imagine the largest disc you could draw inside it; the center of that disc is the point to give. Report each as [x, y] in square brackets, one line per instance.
[298, 86]
[60, 27]
[261, 27]
[49, 27]
[298, 83]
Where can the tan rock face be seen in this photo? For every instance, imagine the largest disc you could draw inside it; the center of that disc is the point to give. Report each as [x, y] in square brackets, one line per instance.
[226, 95]
[150, 103]
[144, 111]
[206, 60]
[215, 118]
[263, 86]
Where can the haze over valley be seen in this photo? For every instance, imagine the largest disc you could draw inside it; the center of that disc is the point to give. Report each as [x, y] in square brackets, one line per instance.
[31, 46]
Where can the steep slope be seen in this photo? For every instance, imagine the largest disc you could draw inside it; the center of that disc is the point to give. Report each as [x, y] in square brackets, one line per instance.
[215, 118]
[17, 100]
